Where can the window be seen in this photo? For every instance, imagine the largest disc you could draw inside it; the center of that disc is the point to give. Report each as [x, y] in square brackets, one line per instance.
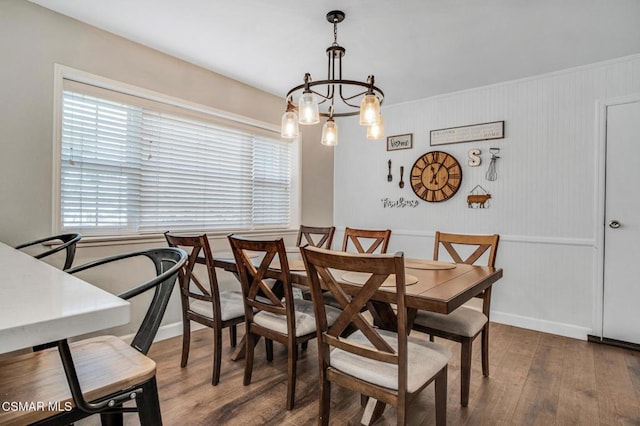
[132, 166]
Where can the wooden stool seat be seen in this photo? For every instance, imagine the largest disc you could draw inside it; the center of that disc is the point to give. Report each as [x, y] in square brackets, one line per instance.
[104, 365]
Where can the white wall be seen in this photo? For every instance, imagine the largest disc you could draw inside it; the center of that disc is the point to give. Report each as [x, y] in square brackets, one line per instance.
[544, 202]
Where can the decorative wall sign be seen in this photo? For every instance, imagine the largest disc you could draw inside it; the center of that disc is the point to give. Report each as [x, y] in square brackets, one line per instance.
[399, 203]
[474, 157]
[397, 142]
[436, 176]
[478, 198]
[475, 132]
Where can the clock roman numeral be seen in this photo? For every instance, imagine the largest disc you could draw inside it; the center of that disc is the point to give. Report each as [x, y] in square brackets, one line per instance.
[420, 192]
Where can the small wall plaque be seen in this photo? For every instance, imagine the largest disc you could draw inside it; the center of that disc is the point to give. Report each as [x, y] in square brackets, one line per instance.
[475, 132]
[478, 198]
[398, 142]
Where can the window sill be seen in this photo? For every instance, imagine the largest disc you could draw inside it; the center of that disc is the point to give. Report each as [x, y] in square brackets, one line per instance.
[116, 240]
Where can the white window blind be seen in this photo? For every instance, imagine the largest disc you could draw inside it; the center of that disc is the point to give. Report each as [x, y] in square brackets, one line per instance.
[130, 168]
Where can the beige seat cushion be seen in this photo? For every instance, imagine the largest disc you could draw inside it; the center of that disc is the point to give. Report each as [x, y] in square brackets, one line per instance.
[425, 359]
[305, 318]
[463, 321]
[231, 305]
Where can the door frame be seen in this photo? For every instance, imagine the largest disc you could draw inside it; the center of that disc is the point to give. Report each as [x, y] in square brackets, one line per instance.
[599, 208]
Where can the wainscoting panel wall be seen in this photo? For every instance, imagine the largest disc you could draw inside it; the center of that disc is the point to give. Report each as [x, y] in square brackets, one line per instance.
[544, 202]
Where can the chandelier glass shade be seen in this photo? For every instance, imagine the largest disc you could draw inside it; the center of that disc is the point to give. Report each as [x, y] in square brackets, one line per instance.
[289, 128]
[376, 130]
[308, 106]
[333, 97]
[329, 133]
[369, 110]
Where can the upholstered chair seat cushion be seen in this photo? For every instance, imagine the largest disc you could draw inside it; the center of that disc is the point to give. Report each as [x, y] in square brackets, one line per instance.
[231, 305]
[425, 359]
[305, 318]
[463, 321]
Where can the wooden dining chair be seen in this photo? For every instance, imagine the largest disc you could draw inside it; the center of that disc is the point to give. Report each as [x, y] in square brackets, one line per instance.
[96, 375]
[390, 367]
[363, 241]
[273, 316]
[54, 244]
[366, 240]
[202, 301]
[316, 236]
[464, 324]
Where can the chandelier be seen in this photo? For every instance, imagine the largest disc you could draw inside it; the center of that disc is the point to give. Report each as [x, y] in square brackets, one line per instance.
[338, 97]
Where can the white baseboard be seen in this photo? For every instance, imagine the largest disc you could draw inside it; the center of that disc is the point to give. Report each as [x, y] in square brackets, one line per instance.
[567, 330]
[167, 331]
[561, 329]
[171, 330]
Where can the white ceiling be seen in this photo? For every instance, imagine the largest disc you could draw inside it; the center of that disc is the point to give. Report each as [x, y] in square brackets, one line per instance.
[415, 48]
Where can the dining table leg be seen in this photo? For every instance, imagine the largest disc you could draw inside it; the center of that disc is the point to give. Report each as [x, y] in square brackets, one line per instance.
[372, 412]
[240, 350]
[383, 315]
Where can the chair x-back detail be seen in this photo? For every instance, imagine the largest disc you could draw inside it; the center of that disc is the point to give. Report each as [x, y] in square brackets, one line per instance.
[464, 324]
[270, 314]
[316, 236]
[202, 301]
[451, 241]
[373, 362]
[66, 242]
[361, 240]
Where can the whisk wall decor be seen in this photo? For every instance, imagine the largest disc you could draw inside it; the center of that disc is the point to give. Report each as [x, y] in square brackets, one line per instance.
[492, 172]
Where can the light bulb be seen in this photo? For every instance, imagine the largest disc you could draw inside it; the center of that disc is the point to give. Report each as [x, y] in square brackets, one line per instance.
[289, 127]
[376, 130]
[369, 110]
[308, 109]
[329, 133]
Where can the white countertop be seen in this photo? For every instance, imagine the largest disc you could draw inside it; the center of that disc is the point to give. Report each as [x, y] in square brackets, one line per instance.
[40, 303]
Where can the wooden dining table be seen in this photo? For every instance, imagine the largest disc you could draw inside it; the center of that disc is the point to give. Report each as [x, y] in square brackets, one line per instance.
[431, 286]
[441, 287]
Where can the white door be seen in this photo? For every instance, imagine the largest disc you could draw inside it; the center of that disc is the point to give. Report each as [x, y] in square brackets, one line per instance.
[621, 311]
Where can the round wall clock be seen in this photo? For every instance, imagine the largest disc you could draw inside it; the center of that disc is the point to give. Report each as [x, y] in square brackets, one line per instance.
[436, 176]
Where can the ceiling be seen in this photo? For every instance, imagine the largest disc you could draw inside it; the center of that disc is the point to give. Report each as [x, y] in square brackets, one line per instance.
[415, 48]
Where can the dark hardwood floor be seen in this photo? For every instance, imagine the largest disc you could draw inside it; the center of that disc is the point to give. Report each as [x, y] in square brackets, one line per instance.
[536, 379]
